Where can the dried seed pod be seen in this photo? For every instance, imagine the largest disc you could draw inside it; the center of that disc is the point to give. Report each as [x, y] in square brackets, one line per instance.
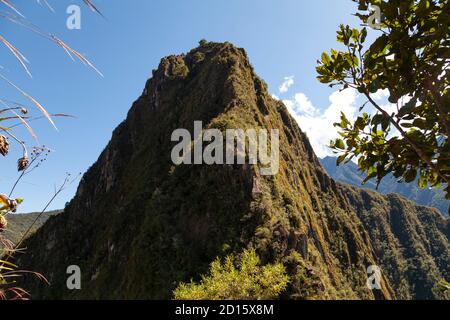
[3, 223]
[4, 145]
[22, 163]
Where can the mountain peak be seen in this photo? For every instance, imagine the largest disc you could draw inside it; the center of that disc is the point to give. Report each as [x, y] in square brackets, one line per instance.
[140, 223]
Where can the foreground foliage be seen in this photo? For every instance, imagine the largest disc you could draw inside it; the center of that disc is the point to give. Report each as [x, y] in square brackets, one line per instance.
[409, 60]
[237, 279]
[16, 111]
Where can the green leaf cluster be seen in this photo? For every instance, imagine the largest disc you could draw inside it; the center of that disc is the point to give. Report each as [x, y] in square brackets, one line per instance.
[410, 60]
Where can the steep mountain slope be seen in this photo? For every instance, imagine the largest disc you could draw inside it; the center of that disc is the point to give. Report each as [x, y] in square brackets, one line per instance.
[139, 224]
[349, 173]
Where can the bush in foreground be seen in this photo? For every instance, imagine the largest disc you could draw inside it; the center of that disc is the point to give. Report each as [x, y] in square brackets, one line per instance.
[237, 279]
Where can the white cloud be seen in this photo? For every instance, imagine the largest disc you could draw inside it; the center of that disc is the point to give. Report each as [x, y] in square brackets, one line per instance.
[318, 124]
[287, 83]
[303, 104]
[380, 95]
[381, 98]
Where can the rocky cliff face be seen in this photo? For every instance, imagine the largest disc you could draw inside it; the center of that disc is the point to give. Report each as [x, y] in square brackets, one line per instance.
[139, 224]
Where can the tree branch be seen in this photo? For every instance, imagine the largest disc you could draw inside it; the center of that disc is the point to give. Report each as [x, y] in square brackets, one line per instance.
[416, 148]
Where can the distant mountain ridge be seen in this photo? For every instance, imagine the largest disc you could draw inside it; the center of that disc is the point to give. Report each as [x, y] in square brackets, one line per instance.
[18, 223]
[349, 173]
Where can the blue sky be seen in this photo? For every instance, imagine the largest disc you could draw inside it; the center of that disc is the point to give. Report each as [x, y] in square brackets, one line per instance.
[283, 38]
